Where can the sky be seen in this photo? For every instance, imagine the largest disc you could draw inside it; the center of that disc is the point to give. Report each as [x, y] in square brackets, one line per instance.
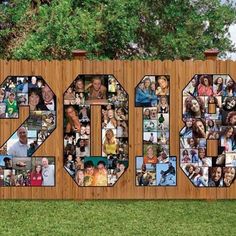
[232, 31]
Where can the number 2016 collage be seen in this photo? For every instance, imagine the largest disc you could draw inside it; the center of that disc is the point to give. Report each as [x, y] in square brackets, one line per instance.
[156, 167]
[17, 166]
[84, 168]
[209, 113]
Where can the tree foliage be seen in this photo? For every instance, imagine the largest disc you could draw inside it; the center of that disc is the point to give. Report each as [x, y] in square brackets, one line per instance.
[124, 29]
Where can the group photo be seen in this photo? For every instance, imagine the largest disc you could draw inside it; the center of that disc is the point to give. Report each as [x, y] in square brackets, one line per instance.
[27, 171]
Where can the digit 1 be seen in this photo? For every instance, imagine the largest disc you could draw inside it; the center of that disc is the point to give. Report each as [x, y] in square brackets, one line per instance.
[85, 92]
[156, 167]
[19, 167]
[209, 114]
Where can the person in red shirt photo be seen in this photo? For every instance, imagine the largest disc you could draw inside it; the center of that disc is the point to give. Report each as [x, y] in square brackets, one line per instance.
[36, 176]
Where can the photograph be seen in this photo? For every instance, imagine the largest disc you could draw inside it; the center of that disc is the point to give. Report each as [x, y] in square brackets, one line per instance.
[166, 173]
[43, 172]
[95, 89]
[145, 173]
[22, 163]
[149, 125]
[95, 171]
[6, 162]
[34, 122]
[145, 92]
[9, 178]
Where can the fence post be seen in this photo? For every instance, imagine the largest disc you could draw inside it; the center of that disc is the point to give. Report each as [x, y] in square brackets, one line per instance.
[211, 54]
[79, 54]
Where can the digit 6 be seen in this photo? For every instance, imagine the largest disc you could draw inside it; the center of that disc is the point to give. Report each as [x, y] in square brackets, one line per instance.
[156, 167]
[18, 166]
[209, 113]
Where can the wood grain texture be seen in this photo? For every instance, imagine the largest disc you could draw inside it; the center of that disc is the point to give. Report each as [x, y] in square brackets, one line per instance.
[60, 74]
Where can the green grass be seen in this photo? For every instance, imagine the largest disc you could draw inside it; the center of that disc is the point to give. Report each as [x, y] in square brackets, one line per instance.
[117, 218]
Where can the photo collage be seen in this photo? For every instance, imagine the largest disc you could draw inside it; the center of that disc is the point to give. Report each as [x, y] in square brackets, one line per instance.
[84, 92]
[156, 167]
[17, 166]
[209, 113]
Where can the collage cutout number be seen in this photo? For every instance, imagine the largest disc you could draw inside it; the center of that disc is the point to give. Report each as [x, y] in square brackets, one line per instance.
[18, 167]
[107, 92]
[156, 167]
[209, 113]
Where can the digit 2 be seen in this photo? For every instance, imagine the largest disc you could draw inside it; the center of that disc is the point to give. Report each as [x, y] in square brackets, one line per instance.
[16, 155]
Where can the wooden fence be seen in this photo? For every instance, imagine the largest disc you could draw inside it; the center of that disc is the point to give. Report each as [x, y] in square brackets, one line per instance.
[60, 74]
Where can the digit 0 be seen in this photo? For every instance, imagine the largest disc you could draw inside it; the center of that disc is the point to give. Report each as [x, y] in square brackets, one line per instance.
[18, 166]
[156, 167]
[87, 91]
[209, 113]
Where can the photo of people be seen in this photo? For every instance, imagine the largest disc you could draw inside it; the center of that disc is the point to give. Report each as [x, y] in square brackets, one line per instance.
[94, 87]
[229, 174]
[215, 177]
[82, 147]
[144, 95]
[69, 97]
[69, 164]
[22, 99]
[12, 109]
[106, 92]
[1, 177]
[95, 171]
[22, 91]
[163, 122]
[17, 145]
[166, 173]
[9, 178]
[194, 107]
[150, 92]
[27, 171]
[198, 175]
[71, 119]
[112, 84]
[109, 120]
[5, 162]
[150, 137]
[145, 173]
[43, 172]
[22, 178]
[209, 105]
[150, 125]
[34, 121]
[230, 159]
[118, 98]
[110, 143]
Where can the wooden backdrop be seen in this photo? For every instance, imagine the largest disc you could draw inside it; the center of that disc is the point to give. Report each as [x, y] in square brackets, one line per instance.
[60, 74]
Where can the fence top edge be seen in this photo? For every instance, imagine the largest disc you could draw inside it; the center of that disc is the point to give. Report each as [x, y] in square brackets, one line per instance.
[100, 61]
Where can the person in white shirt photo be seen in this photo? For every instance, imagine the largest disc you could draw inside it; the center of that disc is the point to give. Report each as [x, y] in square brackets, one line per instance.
[20, 147]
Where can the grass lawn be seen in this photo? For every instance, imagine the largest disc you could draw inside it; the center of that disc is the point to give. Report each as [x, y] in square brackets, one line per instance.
[118, 218]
